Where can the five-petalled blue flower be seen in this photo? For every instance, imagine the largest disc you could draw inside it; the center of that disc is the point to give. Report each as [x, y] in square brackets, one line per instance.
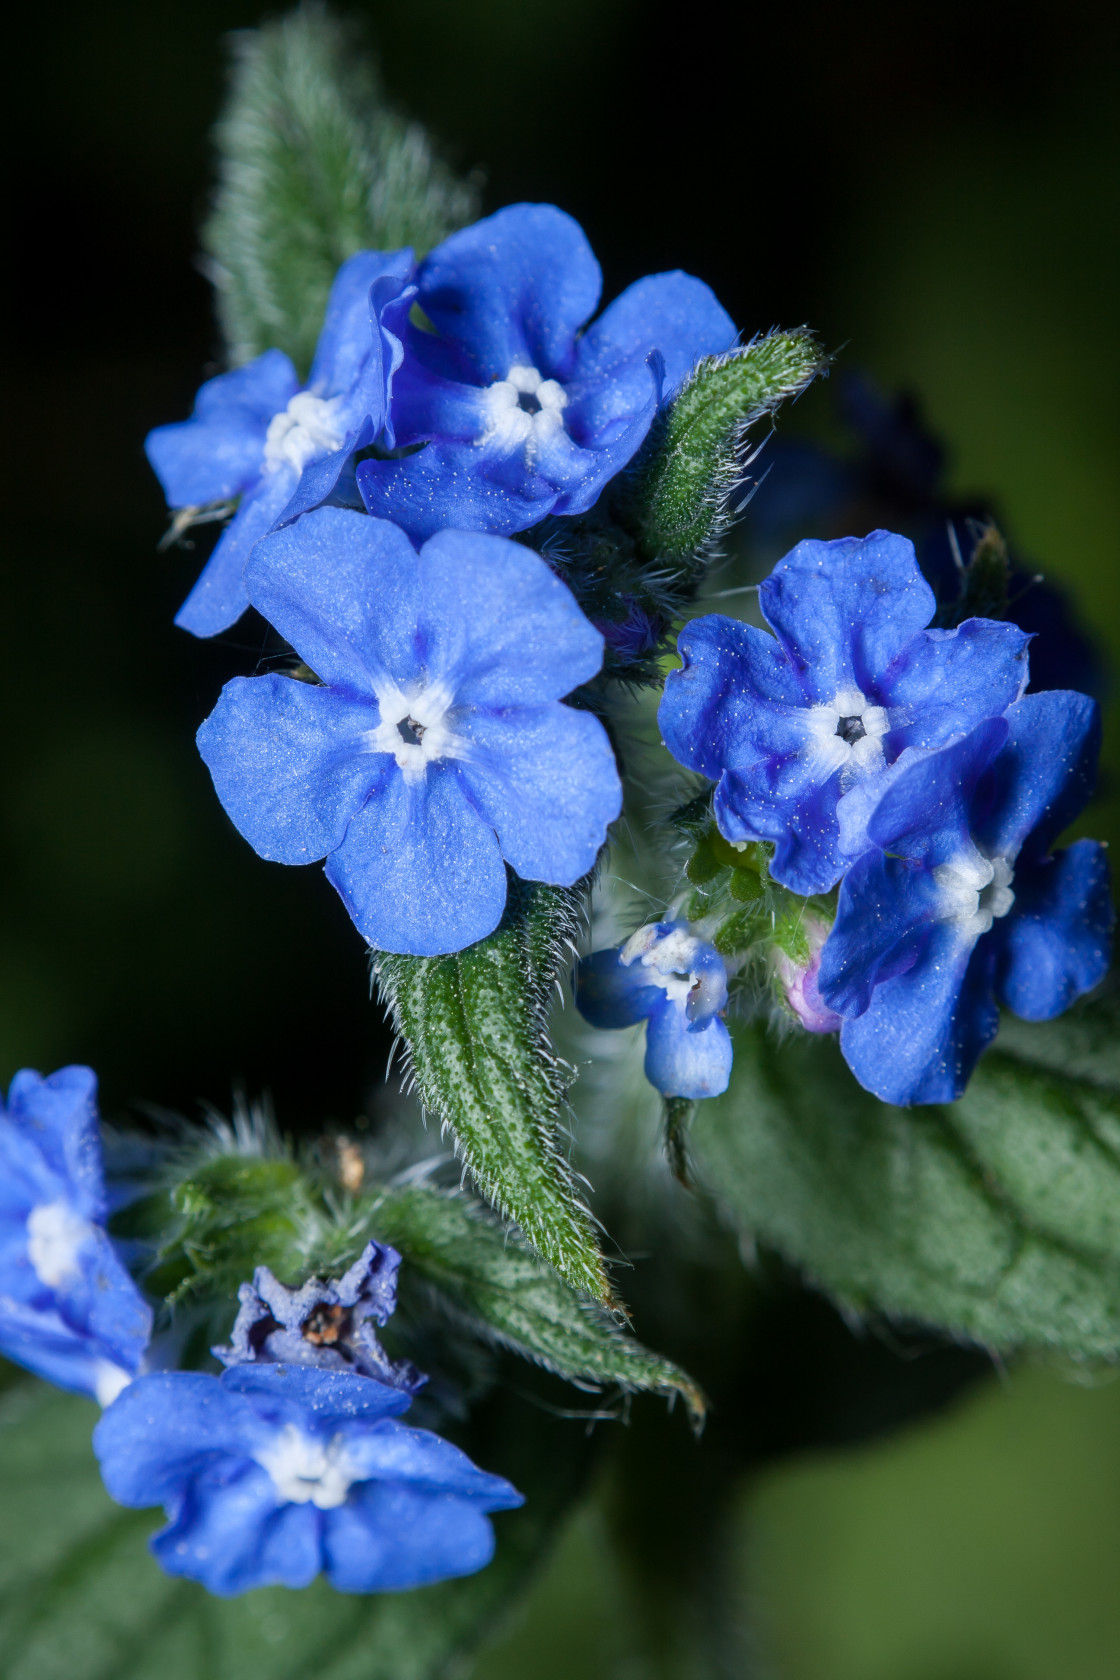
[786, 724]
[669, 977]
[960, 901]
[257, 434]
[520, 411]
[436, 749]
[68, 1309]
[271, 1474]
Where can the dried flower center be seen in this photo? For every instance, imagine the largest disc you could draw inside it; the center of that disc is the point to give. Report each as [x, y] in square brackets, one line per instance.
[325, 1325]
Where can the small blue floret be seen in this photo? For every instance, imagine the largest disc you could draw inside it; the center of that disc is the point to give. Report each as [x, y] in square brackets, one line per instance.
[674, 980]
[435, 750]
[522, 409]
[281, 448]
[961, 905]
[273, 1474]
[786, 724]
[68, 1309]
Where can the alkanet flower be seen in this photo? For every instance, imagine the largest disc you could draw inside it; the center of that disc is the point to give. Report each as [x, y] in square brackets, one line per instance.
[436, 750]
[669, 977]
[271, 1474]
[68, 1309]
[326, 1324]
[258, 434]
[524, 410]
[786, 724]
[961, 905]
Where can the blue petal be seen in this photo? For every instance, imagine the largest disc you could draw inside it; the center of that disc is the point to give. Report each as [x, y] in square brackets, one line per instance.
[222, 1535]
[419, 870]
[675, 314]
[844, 610]
[314, 1398]
[218, 452]
[513, 289]
[934, 793]
[166, 1428]
[581, 463]
[456, 485]
[1043, 777]
[708, 708]
[43, 1342]
[610, 994]
[919, 1040]
[290, 764]
[115, 1314]
[1057, 941]
[344, 590]
[395, 1452]
[684, 1061]
[58, 1114]
[347, 335]
[499, 627]
[946, 681]
[219, 597]
[883, 916]
[801, 823]
[544, 777]
[388, 1538]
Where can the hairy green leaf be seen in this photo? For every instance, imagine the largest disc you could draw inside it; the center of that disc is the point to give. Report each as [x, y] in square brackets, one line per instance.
[80, 1596]
[475, 1030]
[486, 1277]
[996, 1218]
[678, 497]
[313, 166]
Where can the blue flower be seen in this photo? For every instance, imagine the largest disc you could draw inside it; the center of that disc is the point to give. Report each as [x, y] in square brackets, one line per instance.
[786, 724]
[961, 903]
[68, 1309]
[437, 745]
[674, 980]
[272, 1473]
[282, 448]
[323, 1324]
[522, 412]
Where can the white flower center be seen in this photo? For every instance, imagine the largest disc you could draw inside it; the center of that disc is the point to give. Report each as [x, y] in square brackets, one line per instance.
[522, 410]
[415, 728]
[108, 1382]
[847, 735]
[305, 1470]
[55, 1238]
[304, 430]
[669, 957]
[974, 891]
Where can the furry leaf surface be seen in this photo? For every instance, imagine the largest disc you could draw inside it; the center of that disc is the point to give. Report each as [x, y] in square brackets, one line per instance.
[313, 166]
[475, 1028]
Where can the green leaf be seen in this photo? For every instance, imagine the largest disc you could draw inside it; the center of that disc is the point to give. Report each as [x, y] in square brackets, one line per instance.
[475, 1029]
[80, 1595]
[313, 166]
[678, 496]
[485, 1277]
[996, 1218]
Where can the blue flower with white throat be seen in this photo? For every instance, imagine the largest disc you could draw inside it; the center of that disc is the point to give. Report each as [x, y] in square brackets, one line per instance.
[69, 1311]
[787, 724]
[676, 982]
[435, 750]
[512, 406]
[960, 905]
[257, 434]
[273, 1474]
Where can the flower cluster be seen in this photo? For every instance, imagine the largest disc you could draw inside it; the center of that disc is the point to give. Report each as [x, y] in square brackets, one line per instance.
[903, 763]
[457, 401]
[289, 1464]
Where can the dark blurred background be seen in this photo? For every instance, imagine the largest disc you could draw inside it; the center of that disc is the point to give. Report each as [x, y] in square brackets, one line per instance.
[935, 189]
